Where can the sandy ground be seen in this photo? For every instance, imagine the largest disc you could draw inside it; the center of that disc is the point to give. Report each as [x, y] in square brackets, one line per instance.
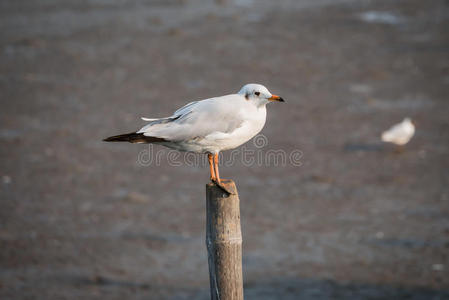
[82, 219]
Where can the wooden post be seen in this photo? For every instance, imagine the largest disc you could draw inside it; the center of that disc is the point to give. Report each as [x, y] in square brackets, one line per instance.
[224, 242]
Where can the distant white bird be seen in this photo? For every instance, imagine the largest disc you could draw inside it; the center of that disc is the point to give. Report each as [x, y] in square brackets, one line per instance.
[208, 126]
[399, 134]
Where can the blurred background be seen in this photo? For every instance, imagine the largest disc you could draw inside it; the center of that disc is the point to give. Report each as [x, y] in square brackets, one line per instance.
[82, 219]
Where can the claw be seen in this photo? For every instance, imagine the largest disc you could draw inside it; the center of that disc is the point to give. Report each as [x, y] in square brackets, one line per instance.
[223, 187]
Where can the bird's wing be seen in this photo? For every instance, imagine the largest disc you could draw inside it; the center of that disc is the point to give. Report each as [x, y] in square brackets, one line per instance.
[392, 133]
[398, 130]
[399, 134]
[198, 119]
[176, 113]
[185, 108]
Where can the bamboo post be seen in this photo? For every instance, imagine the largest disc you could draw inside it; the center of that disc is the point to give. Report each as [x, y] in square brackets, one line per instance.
[224, 242]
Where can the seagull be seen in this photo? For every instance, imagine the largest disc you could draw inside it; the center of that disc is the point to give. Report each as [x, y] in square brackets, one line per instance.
[208, 126]
[399, 134]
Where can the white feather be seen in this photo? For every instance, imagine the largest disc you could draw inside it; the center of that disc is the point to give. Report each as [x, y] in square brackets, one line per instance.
[399, 134]
[214, 124]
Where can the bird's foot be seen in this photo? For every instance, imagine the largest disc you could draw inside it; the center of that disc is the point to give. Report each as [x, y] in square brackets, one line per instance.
[399, 150]
[222, 186]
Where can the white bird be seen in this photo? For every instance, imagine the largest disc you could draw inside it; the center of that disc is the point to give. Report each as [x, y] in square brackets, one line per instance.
[208, 126]
[399, 134]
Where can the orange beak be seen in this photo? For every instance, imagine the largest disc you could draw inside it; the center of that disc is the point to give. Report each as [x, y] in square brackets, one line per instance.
[276, 98]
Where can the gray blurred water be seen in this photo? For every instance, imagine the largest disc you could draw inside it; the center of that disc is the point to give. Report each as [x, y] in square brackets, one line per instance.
[357, 219]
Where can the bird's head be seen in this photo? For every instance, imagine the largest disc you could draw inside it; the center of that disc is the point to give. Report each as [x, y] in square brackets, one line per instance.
[259, 94]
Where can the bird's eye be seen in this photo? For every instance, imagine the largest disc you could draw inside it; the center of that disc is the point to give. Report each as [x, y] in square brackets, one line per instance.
[257, 93]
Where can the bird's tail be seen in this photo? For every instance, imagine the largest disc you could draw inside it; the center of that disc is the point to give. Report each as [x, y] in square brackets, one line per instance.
[134, 137]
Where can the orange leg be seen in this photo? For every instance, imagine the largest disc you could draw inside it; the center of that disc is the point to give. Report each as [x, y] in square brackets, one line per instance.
[216, 177]
[211, 166]
[217, 174]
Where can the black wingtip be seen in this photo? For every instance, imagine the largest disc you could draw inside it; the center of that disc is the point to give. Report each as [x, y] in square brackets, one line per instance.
[110, 139]
[134, 137]
[128, 137]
